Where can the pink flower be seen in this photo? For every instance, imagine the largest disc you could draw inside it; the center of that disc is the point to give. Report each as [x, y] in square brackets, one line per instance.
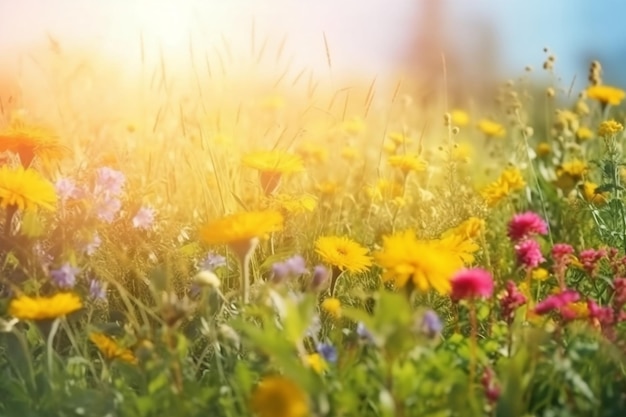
[561, 252]
[471, 283]
[590, 258]
[529, 254]
[525, 225]
[557, 301]
[511, 301]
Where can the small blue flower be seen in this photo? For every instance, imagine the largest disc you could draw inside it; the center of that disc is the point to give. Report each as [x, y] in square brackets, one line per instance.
[363, 332]
[65, 276]
[97, 290]
[431, 324]
[328, 352]
[212, 262]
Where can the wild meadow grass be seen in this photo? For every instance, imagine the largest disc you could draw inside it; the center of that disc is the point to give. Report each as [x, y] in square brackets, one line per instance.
[203, 243]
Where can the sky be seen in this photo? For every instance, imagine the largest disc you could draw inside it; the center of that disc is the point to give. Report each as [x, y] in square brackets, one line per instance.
[364, 36]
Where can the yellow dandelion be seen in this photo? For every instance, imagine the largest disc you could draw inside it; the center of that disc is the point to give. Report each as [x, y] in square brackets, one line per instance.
[277, 396]
[590, 194]
[316, 362]
[407, 163]
[272, 165]
[491, 129]
[540, 274]
[110, 349]
[513, 178]
[470, 228]
[510, 180]
[25, 189]
[343, 253]
[458, 244]
[30, 142]
[584, 133]
[543, 149]
[606, 94]
[44, 308]
[242, 227]
[609, 128]
[332, 306]
[423, 264]
[460, 118]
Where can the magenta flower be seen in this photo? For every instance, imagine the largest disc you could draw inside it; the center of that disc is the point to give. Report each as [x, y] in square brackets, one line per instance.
[512, 300]
[557, 301]
[590, 258]
[471, 283]
[529, 254]
[525, 225]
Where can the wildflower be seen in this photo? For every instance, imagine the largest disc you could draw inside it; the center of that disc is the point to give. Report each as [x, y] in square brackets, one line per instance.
[591, 195]
[30, 142]
[272, 165]
[606, 94]
[242, 226]
[44, 308]
[316, 362]
[590, 258]
[343, 253]
[471, 283]
[327, 188]
[363, 332]
[293, 266]
[459, 245]
[399, 138]
[528, 254]
[109, 182]
[353, 126]
[25, 189]
[459, 118]
[65, 276]
[470, 228]
[212, 262]
[423, 264]
[384, 190]
[569, 174]
[328, 352]
[526, 225]
[491, 129]
[574, 311]
[543, 149]
[556, 301]
[584, 133]
[110, 349]
[66, 189]
[492, 390]
[277, 396]
[609, 128]
[108, 208]
[540, 274]
[431, 324]
[561, 253]
[91, 247]
[510, 180]
[407, 163]
[566, 122]
[312, 153]
[513, 299]
[97, 290]
[295, 204]
[320, 277]
[332, 306]
[144, 218]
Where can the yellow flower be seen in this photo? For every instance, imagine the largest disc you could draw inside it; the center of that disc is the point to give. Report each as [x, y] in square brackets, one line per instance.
[460, 245]
[327, 188]
[569, 174]
[523, 288]
[459, 118]
[580, 309]
[316, 362]
[312, 153]
[44, 308]
[423, 264]
[513, 179]
[295, 204]
[30, 142]
[277, 396]
[26, 189]
[407, 163]
[384, 190]
[242, 227]
[275, 162]
[590, 195]
[584, 133]
[462, 152]
[566, 122]
[540, 274]
[609, 128]
[606, 94]
[470, 228]
[110, 349]
[510, 180]
[491, 128]
[343, 253]
[332, 306]
[399, 138]
[543, 149]
[353, 126]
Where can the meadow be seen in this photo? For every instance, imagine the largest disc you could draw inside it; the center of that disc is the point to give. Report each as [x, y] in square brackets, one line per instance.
[208, 244]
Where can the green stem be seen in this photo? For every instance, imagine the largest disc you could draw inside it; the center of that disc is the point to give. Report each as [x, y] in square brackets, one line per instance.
[50, 347]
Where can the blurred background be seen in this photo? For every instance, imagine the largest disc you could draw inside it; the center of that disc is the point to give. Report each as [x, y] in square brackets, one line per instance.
[482, 40]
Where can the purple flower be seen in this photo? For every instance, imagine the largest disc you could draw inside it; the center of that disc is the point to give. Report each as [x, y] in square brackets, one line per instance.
[328, 352]
[363, 332]
[109, 181]
[431, 324]
[144, 218]
[97, 290]
[91, 247]
[66, 189]
[65, 276]
[212, 262]
[529, 254]
[108, 209]
[293, 266]
[320, 277]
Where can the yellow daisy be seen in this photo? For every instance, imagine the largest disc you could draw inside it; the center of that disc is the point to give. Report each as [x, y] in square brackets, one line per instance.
[44, 308]
[277, 396]
[110, 349]
[407, 163]
[25, 189]
[343, 253]
[242, 227]
[606, 94]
